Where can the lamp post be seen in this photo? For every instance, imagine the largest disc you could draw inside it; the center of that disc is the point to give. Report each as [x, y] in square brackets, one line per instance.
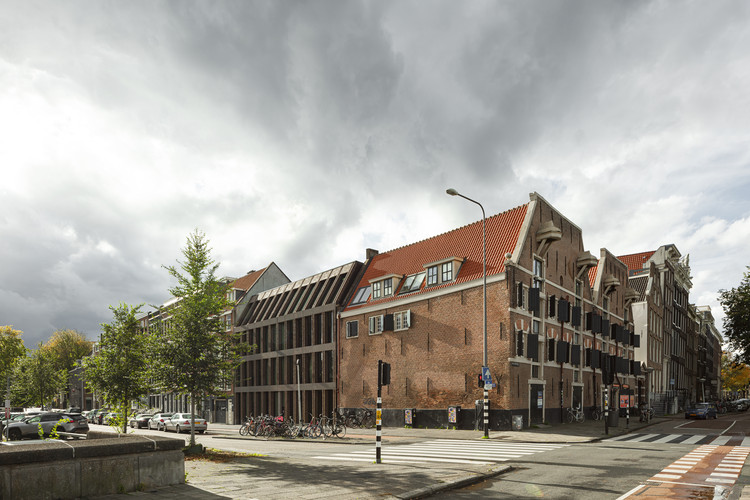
[453, 192]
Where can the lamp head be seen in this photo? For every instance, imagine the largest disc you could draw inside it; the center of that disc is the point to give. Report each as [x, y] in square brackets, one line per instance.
[451, 191]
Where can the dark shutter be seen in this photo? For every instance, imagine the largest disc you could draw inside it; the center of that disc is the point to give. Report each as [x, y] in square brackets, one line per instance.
[575, 355]
[636, 340]
[605, 328]
[625, 335]
[388, 323]
[596, 358]
[550, 349]
[519, 343]
[614, 332]
[563, 311]
[589, 321]
[520, 294]
[587, 357]
[534, 300]
[575, 320]
[532, 346]
[552, 308]
[562, 352]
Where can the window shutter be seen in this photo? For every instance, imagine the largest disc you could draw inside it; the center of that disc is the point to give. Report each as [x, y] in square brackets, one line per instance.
[388, 323]
[551, 306]
[519, 343]
[636, 340]
[562, 352]
[520, 294]
[550, 349]
[605, 328]
[534, 300]
[575, 355]
[532, 346]
[563, 311]
[576, 317]
[596, 359]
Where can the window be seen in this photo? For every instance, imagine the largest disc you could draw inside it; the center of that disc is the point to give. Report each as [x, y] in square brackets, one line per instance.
[413, 283]
[377, 289]
[362, 295]
[387, 287]
[447, 271]
[402, 320]
[376, 324]
[538, 273]
[432, 275]
[352, 329]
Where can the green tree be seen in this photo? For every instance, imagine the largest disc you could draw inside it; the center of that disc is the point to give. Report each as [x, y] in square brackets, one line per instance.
[36, 380]
[11, 350]
[198, 356]
[119, 371]
[735, 376]
[67, 347]
[736, 304]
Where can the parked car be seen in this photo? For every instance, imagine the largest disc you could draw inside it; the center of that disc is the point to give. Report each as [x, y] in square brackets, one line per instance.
[180, 422]
[29, 427]
[741, 404]
[78, 423]
[701, 410]
[109, 417]
[156, 422]
[140, 420]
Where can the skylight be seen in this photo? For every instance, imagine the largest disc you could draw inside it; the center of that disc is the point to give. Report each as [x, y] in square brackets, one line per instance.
[413, 282]
[362, 295]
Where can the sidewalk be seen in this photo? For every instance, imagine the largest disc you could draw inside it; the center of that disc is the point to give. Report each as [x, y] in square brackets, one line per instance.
[276, 478]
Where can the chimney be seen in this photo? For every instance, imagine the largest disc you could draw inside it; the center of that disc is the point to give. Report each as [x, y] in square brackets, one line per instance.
[370, 253]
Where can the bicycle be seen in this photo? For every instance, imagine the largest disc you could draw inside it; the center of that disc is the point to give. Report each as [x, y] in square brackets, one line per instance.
[596, 413]
[647, 413]
[575, 414]
[363, 418]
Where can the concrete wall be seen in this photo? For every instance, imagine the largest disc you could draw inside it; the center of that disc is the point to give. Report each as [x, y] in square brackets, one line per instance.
[73, 469]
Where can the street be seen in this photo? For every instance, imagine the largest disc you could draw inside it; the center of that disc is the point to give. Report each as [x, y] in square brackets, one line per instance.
[676, 457]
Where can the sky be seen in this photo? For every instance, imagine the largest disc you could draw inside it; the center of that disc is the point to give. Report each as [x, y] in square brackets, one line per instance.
[303, 133]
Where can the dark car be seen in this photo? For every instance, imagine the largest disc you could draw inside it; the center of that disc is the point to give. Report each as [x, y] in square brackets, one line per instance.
[140, 420]
[701, 410]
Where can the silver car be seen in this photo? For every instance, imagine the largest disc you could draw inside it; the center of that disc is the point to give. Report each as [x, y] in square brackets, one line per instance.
[156, 422]
[29, 427]
[180, 422]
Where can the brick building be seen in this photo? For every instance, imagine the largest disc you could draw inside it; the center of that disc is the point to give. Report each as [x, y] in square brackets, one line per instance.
[555, 316]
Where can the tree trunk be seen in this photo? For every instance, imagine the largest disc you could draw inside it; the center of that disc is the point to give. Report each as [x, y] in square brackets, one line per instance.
[192, 420]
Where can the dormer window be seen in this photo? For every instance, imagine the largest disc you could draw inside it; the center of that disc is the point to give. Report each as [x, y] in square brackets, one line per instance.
[383, 286]
[443, 271]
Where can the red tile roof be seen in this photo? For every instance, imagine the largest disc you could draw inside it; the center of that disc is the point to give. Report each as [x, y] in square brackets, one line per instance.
[464, 243]
[592, 274]
[247, 281]
[635, 261]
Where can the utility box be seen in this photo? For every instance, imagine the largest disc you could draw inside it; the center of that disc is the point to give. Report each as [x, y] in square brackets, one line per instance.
[453, 412]
[517, 422]
[409, 416]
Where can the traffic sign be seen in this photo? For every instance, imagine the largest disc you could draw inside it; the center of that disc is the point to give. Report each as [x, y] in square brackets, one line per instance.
[486, 376]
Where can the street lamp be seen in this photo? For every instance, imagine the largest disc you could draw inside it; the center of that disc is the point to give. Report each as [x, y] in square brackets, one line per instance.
[453, 192]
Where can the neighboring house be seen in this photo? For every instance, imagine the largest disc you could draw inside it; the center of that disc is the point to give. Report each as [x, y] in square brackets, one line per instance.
[679, 356]
[555, 316]
[216, 409]
[294, 330]
[709, 357]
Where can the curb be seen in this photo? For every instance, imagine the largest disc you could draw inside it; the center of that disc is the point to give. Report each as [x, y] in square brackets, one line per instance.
[451, 485]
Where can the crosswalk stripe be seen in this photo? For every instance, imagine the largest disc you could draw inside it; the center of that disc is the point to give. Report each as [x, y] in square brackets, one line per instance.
[453, 451]
[721, 440]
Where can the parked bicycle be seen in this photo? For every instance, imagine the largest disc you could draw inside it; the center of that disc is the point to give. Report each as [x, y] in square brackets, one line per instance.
[596, 413]
[575, 415]
[363, 418]
[647, 413]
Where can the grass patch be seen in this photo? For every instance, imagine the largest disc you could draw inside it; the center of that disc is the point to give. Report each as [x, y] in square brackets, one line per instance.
[219, 456]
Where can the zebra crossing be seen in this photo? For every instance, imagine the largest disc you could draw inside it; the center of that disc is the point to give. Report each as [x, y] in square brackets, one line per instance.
[454, 451]
[697, 439]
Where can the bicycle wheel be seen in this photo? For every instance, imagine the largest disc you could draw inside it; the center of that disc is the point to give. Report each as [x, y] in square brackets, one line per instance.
[570, 417]
[339, 430]
[351, 421]
[368, 421]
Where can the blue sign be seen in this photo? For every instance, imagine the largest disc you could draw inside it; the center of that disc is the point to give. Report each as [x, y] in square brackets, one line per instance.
[486, 377]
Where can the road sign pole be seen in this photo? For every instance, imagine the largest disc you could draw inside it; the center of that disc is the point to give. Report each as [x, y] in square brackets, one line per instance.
[378, 413]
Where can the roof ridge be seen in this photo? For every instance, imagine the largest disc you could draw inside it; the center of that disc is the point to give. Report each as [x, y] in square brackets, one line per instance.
[455, 229]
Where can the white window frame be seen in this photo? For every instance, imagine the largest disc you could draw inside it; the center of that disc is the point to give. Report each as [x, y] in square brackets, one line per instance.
[446, 272]
[387, 287]
[356, 325]
[402, 320]
[377, 290]
[375, 324]
[432, 279]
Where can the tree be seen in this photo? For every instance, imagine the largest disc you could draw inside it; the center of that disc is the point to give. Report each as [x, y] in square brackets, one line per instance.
[736, 304]
[198, 355]
[735, 376]
[36, 381]
[67, 347]
[11, 350]
[119, 371]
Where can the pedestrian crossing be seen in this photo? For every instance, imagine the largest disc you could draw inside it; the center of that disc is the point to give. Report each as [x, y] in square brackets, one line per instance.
[454, 451]
[697, 439]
